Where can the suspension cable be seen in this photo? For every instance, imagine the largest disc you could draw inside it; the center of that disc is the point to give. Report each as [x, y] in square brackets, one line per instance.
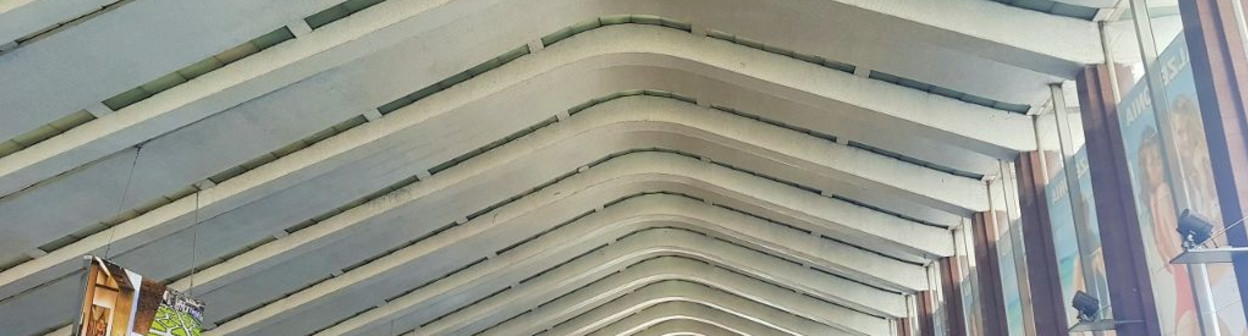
[112, 232]
[190, 290]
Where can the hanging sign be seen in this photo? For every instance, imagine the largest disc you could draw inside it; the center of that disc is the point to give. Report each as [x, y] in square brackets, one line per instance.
[118, 302]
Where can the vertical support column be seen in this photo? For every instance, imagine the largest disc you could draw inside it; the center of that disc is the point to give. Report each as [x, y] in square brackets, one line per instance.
[951, 291]
[914, 316]
[1083, 235]
[1009, 190]
[1046, 292]
[1129, 287]
[1220, 66]
[968, 277]
[926, 313]
[991, 297]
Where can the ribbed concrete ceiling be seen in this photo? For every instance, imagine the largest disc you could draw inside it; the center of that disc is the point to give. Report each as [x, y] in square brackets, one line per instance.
[506, 167]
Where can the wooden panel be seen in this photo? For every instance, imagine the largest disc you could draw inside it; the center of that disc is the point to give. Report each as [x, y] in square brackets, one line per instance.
[927, 319]
[1046, 291]
[1129, 285]
[988, 268]
[951, 290]
[1220, 67]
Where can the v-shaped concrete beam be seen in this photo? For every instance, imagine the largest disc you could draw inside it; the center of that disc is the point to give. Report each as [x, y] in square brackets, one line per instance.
[584, 235]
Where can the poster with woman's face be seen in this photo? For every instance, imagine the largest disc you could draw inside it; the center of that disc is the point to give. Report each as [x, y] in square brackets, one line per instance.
[1142, 140]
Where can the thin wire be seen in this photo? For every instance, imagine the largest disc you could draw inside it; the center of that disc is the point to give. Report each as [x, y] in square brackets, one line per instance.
[112, 232]
[1223, 232]
[190, 291]
[392, 328]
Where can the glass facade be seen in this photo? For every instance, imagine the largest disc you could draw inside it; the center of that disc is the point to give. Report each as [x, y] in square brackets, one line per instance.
[1168, 159]
[1170, 172]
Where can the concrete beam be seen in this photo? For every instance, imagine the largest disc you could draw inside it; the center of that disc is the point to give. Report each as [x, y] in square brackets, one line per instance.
[21, 18]
[617, 316]
[1091, 3]
[672, 313]
[425, 303]
[546, 313]
[684, 327]
[668, 317]
[118, 50]
[238, 192]
[616, 221]
[27, 167]
[211, 94]
[57, 222]
[837, 218]
[1003, 33]
[42, 220]
[547, 160]
[1006, 36]
[243, 295]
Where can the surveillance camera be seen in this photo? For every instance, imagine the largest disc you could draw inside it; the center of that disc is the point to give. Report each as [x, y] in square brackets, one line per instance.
[1087, 306]
[1193, 229]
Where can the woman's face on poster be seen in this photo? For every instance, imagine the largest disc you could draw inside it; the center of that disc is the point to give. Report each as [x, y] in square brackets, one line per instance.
[1186, 125]
[1150, 161]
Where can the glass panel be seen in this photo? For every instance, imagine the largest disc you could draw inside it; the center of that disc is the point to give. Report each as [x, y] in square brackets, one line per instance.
[1156, 173]
[1165, 21]
[1123, 45]
[969, 283]
[1009, 282]
[1014, 224]
[1071, 204]
[1070, 268]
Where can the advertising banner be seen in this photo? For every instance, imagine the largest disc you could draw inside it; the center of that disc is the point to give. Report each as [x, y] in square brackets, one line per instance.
[1010, 290]
[118, 302]
[1172, 288]
[1076, 236]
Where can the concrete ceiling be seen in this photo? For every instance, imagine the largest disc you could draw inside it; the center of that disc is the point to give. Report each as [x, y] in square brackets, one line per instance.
[510, 167]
